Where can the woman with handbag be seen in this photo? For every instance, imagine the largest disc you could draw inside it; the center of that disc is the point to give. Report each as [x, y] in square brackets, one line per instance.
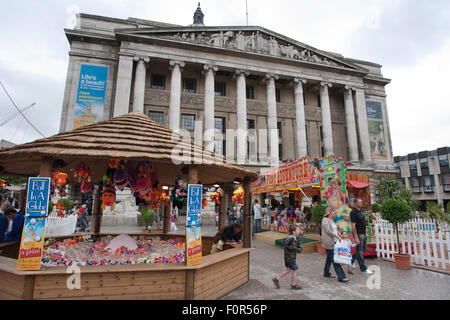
[329, 237]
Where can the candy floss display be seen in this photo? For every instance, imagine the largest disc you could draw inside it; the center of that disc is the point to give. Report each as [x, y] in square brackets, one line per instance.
[110, 250]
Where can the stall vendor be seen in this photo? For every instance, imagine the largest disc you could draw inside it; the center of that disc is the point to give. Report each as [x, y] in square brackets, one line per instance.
[227, 236]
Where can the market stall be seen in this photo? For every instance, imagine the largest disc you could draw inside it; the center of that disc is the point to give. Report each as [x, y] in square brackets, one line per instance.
[127, 151]
[326, 178]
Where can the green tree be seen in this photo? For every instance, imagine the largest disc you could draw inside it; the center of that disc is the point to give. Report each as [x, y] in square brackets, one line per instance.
[396, 212]
[15, 181]
[387, 188]
[148, 215]
[376, 207]
[317, 215]
[435, 211]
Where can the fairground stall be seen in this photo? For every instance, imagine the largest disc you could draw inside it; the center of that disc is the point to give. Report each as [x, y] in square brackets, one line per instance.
[325, 179]
[130, 151]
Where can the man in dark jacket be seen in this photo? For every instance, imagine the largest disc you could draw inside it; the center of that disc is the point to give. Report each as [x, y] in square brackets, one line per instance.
[16, 229]
[231, 233]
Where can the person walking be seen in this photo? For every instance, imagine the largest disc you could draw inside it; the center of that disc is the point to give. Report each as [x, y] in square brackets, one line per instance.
[358, 222]
[292, 246]
[329, 237]
[258, 216]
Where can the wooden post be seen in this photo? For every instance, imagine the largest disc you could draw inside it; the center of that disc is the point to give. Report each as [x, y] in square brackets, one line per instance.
[193, 175]
[97, 210]
[23, 198]
[46, 168]
[222, 211]
[246, 221]
[166, 218]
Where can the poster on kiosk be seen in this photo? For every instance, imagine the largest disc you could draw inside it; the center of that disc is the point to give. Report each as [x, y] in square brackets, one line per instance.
[34, 226]
[193, 225]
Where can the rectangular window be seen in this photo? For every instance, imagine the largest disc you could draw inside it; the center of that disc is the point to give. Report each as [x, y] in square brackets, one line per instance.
[250, 124]
[250, 92]
[278, 95]
[220, 88]
[397, 165]
[280, 135]
[415, 184]
[219, 131]
[188, 122]
[443, 160]
[428, 183]
[158, 81]
[423, 163]
[189, 85]
[156, 116]
[413, 168]
[280, 152]
[445, 180]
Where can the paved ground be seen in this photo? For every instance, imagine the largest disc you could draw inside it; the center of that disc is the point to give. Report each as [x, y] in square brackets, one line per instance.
[395, 284]
[266, 260]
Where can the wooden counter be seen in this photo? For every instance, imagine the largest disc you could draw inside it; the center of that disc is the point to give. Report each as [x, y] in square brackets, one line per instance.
[219, 274]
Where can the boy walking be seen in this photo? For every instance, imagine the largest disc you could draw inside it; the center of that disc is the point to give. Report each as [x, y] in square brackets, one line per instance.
[292, 246]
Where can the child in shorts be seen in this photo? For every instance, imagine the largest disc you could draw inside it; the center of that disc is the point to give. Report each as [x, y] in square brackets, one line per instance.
[292, 246]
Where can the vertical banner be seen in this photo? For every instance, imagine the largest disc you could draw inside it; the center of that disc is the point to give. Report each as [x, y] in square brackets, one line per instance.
[376, 130]
[193, 225]
[333, 191]
[34, 226]
[91, 95]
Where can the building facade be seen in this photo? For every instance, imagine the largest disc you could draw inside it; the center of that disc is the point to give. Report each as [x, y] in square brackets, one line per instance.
[427, 174]
[280, 98]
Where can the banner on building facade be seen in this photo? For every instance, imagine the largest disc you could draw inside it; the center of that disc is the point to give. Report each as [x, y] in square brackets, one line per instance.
[33, 233]
[193, 225]
[90, 101]
[376, 130]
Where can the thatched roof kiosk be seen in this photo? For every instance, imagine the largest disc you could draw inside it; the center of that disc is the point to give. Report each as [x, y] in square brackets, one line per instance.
[133, 136]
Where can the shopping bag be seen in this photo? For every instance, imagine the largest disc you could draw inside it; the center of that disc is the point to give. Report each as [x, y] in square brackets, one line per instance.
[342, 253]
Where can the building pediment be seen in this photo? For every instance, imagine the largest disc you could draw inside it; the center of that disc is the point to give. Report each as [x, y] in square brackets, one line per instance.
[254, 40]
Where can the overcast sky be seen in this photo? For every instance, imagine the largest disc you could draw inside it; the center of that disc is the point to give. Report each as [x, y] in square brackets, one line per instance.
[409, 38]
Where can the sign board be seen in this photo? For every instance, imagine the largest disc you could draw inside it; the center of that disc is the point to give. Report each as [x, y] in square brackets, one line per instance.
[375, 124]
[91, 95]
[193, 225]
[34, 226]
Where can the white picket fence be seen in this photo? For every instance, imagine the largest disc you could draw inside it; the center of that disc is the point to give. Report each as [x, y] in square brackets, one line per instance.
[60, 226]
[418, 237]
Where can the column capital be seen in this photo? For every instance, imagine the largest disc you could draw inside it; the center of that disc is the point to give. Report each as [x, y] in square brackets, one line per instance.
[298, 80]
[209, 66]
[324, 83]
[238, 72]
[272, 75]
[141, 58]
[173, 63]
[349, 88]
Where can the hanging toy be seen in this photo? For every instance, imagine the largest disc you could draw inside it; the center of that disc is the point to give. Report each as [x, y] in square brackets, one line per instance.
[84, 174]
[108, 197]
[3, 184]
[120, 175]
[204, 203]
[59, 180]
[238, 196]
[60, 208]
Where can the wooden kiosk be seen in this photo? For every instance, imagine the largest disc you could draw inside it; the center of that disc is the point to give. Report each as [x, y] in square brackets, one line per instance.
[134, 137]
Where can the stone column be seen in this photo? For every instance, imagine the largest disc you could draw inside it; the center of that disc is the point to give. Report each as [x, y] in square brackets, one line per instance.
[123, 86]
[351, 125]
[241, 120]
[327, 129]
[300, 135]
[363, 127]
[139, 83]
[272, 118]
[175, 94]
[209, 105]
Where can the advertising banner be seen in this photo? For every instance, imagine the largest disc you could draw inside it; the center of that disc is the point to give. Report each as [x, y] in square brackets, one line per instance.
[376, 130]
[193, 225]
[34, 226]
[90, 101]
[333, 191]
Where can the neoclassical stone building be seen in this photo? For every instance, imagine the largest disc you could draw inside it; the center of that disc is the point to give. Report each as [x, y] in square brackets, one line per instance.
[236, 77]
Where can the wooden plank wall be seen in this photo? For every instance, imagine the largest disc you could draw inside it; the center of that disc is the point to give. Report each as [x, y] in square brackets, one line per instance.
[11, 286]
[221, 278]
[114, 285]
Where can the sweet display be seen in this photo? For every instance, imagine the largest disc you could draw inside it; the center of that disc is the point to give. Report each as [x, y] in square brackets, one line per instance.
[110, 250]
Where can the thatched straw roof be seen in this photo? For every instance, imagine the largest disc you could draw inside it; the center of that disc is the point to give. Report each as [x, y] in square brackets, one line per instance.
[133, 136]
